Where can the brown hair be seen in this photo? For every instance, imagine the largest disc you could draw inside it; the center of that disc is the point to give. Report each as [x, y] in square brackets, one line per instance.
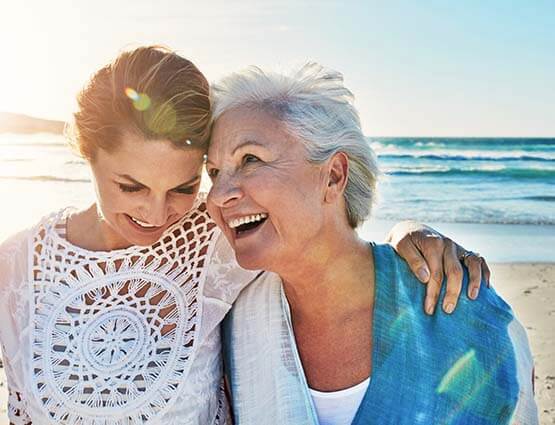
[150, 92]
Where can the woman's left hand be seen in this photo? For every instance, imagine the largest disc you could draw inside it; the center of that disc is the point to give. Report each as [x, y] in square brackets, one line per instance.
[430, 255]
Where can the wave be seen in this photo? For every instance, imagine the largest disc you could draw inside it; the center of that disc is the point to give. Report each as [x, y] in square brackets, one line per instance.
[545, 198]
[465, 143]
[45, 179]
[423, 217]
[468, 157]
[500, 172]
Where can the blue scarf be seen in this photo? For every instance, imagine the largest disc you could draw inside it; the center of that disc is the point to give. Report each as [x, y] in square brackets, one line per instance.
[473, 367]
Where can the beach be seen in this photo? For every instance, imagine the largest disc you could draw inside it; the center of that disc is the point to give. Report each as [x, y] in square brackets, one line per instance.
[530, 289]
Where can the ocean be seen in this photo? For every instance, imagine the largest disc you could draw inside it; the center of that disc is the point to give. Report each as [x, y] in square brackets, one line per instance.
[464, 185]
[467, 180]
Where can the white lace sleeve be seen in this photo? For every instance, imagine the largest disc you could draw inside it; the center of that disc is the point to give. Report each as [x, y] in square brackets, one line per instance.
[13, 273]
[224, 281]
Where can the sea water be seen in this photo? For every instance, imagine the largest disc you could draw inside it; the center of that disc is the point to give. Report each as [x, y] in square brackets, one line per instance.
[499, 188]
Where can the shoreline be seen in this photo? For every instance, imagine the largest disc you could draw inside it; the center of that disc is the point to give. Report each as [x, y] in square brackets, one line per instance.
[498, 243]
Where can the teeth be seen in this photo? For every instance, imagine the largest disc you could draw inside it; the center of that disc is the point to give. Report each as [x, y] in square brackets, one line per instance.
[247, 219]
[142, 223]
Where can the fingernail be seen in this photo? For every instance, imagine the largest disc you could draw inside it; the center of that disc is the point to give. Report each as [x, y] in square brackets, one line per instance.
[474, 293]
[423, 274]
[429, 306]
[449, 308]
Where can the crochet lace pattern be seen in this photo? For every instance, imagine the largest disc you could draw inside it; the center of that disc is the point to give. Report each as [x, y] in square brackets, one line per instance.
[113, 332]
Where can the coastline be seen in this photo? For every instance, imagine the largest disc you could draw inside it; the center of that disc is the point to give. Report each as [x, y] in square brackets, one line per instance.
[498, 243]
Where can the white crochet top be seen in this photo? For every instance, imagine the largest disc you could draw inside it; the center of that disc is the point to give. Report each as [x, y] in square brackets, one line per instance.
[122, 337]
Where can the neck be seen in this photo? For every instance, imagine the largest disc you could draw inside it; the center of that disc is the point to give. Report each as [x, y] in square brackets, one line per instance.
[335, 279]
[88, 230]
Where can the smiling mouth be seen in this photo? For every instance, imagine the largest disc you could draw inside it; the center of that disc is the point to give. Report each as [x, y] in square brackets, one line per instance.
[142, 225]
[245, 225]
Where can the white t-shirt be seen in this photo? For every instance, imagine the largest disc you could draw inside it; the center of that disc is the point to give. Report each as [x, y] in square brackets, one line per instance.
[339, 407]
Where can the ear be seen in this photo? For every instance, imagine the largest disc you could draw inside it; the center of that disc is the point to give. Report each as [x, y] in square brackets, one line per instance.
[338, 173]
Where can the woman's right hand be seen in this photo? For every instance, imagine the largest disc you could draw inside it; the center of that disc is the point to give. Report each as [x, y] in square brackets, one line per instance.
[431, 256]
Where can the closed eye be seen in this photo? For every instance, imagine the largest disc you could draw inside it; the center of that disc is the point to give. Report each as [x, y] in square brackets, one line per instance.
[185, 190]
[128, 188]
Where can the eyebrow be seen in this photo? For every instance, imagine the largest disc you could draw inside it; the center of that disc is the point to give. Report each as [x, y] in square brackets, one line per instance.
[247, 143]
[188, 182]
[240, 146]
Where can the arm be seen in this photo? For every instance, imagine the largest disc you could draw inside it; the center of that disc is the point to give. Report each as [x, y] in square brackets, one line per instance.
[12, 290]
[430, 255]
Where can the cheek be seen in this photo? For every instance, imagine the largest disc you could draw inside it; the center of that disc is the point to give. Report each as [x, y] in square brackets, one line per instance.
[181, 205]
[112, 200]
[215, 215]
[298, 207]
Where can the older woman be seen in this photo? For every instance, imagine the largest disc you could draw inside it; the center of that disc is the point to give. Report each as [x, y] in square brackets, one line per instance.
[330, 333]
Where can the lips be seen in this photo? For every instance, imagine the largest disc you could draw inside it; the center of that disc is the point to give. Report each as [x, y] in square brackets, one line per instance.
[141, 226]
[142, 223]
[246, 224]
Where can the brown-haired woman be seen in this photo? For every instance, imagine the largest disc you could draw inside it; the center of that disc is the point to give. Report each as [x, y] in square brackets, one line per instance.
[111, 314]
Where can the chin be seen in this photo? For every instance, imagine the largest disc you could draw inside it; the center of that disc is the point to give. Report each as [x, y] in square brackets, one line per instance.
[250, 262]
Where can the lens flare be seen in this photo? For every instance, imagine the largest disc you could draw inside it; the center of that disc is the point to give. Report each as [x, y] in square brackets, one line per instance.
[131, 94]
[458, 375]
[161, 119]
[141, 101]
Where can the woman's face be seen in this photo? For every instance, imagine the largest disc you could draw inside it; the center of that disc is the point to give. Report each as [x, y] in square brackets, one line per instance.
[266, 197]
[143, 187]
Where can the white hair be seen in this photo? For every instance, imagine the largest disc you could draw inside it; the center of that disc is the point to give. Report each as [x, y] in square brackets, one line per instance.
[317, 108]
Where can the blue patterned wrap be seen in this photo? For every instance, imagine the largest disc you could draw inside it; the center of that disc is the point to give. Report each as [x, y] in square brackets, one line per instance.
[473, 367]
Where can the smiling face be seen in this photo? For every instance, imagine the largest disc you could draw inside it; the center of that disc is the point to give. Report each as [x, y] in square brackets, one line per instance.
[267, 198]
[143, 187]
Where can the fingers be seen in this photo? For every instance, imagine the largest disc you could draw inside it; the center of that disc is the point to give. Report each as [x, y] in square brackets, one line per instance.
[454, 272]
[473, 263]
[408, 250]
[433, 254]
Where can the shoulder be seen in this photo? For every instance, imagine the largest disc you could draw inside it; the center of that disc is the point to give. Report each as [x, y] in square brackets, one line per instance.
[197, 218]
[17, 244]
[226, 279]
[484, 322]
[481, 335]
[12, 247]
[395, 278]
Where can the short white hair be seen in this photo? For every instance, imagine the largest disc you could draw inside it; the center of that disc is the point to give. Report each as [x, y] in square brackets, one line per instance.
[317, 108]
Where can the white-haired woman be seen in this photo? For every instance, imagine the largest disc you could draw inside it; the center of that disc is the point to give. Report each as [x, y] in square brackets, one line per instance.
[330, 333]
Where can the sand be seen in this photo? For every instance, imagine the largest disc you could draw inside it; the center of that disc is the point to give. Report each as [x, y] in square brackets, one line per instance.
[530, 289]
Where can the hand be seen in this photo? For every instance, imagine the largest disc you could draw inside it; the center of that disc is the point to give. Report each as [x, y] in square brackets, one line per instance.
[430, 255]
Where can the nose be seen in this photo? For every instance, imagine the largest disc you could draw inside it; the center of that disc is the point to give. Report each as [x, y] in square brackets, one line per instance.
[225, 192]
[157, 211]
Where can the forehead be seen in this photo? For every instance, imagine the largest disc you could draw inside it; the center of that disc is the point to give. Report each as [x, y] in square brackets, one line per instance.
[137, 156]
[246, 124]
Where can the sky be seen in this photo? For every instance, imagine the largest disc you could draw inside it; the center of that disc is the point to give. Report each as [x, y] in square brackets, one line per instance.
[417, 68]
